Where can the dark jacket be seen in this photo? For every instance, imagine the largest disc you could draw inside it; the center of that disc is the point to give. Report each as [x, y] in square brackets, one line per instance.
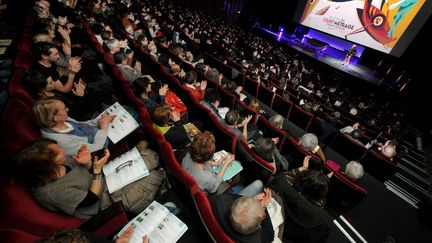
[304, 222]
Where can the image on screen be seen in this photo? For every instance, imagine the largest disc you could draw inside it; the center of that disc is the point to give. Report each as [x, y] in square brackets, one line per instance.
[379, 24]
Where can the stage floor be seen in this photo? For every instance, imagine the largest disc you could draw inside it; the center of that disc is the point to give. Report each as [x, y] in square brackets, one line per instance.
[334, 57]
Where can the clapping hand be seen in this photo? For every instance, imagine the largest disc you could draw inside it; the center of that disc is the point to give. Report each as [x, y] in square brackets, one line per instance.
[79, 88]
[83, 155]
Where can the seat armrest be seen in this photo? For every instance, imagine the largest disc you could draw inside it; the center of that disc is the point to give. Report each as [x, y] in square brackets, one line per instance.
[107, 222]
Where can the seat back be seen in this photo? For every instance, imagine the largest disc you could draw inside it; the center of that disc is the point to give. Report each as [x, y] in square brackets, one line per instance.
[21, 129]
[347, 147]
[344, 194]
[207, 217]
[291, 148]
[266, 95]
[20, 211]
[270, 131]
[251, 86]
[300, 117]
[379, 167]
[282, 106]
[254, 168]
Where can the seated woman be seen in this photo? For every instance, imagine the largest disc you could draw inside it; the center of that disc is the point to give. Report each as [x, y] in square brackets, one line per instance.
[143, 90]
[198, 164]
[51, 114]
[74, 185]
[266, 149]
[169, 124]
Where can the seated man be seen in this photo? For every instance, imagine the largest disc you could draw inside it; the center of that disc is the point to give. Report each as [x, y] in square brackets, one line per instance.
[249, 218]
[232, 121]
[354, 171]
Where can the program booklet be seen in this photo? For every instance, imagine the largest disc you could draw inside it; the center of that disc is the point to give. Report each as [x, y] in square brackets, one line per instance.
[125, 169]
[191, 130]
[122, 125]
[233, 169]
[157, 223]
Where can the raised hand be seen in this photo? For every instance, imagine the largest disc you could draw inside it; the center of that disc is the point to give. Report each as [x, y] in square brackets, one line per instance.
[83, 155]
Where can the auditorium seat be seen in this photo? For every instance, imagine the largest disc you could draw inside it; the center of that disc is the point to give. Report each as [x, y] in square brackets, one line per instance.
[291, 148]
[282, 106]
[251, 86]
[207, 217]
[343, 193]
[254, 168]
[270, 131]
[266, 95]
[347, 147]
[300, 117]
[20, 211]
[378, 166]
[227, 99]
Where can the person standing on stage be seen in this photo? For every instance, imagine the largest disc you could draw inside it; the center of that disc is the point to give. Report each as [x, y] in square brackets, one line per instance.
[351, 52]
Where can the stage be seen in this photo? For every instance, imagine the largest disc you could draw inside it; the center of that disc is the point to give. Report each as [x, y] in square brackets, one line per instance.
[332, 57]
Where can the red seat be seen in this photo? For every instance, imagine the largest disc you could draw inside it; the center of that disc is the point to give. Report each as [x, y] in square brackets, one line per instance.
[251, 86]
[254, 167]
[227, 99]
[344, 194]
[300, 117]
[347, 147]
[17, 236]
[282, 106]
[270, 131]
[21, 128]
[378, 166]
[207, 217]
[266, 95]
[20, 211]
[297, 153]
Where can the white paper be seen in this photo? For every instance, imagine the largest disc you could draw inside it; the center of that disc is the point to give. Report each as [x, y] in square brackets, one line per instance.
[158, 224]
[125, 169]
[122, 125]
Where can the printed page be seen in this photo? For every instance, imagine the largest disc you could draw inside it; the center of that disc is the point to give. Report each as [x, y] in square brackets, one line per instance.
[169, 230]
[233, 169]
[124, 170]
[219, 154]
[146, 222]
[122, 125]
[5, 42]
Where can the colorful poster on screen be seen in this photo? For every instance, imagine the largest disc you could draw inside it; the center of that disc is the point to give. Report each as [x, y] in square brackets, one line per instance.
[378, 24]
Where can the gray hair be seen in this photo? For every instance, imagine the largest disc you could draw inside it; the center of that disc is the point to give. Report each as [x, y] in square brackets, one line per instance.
[354, 170]
[277, 121]
[112, 43]
[246, 215]
[309, 141]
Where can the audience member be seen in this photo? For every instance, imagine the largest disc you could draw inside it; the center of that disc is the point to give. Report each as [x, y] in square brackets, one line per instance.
[74, 185]
[143, 90]
[266, 149]
[354, 171]
[253, 218]
[51, 114]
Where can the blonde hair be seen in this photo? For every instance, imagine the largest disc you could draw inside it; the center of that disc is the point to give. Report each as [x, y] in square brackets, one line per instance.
[255, 105]
[44, 111]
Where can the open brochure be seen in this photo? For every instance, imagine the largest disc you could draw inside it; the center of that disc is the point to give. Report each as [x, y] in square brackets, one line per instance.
[233, 169]
[125, 169]
[123, 123]
[158, 224]
[191, 130]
